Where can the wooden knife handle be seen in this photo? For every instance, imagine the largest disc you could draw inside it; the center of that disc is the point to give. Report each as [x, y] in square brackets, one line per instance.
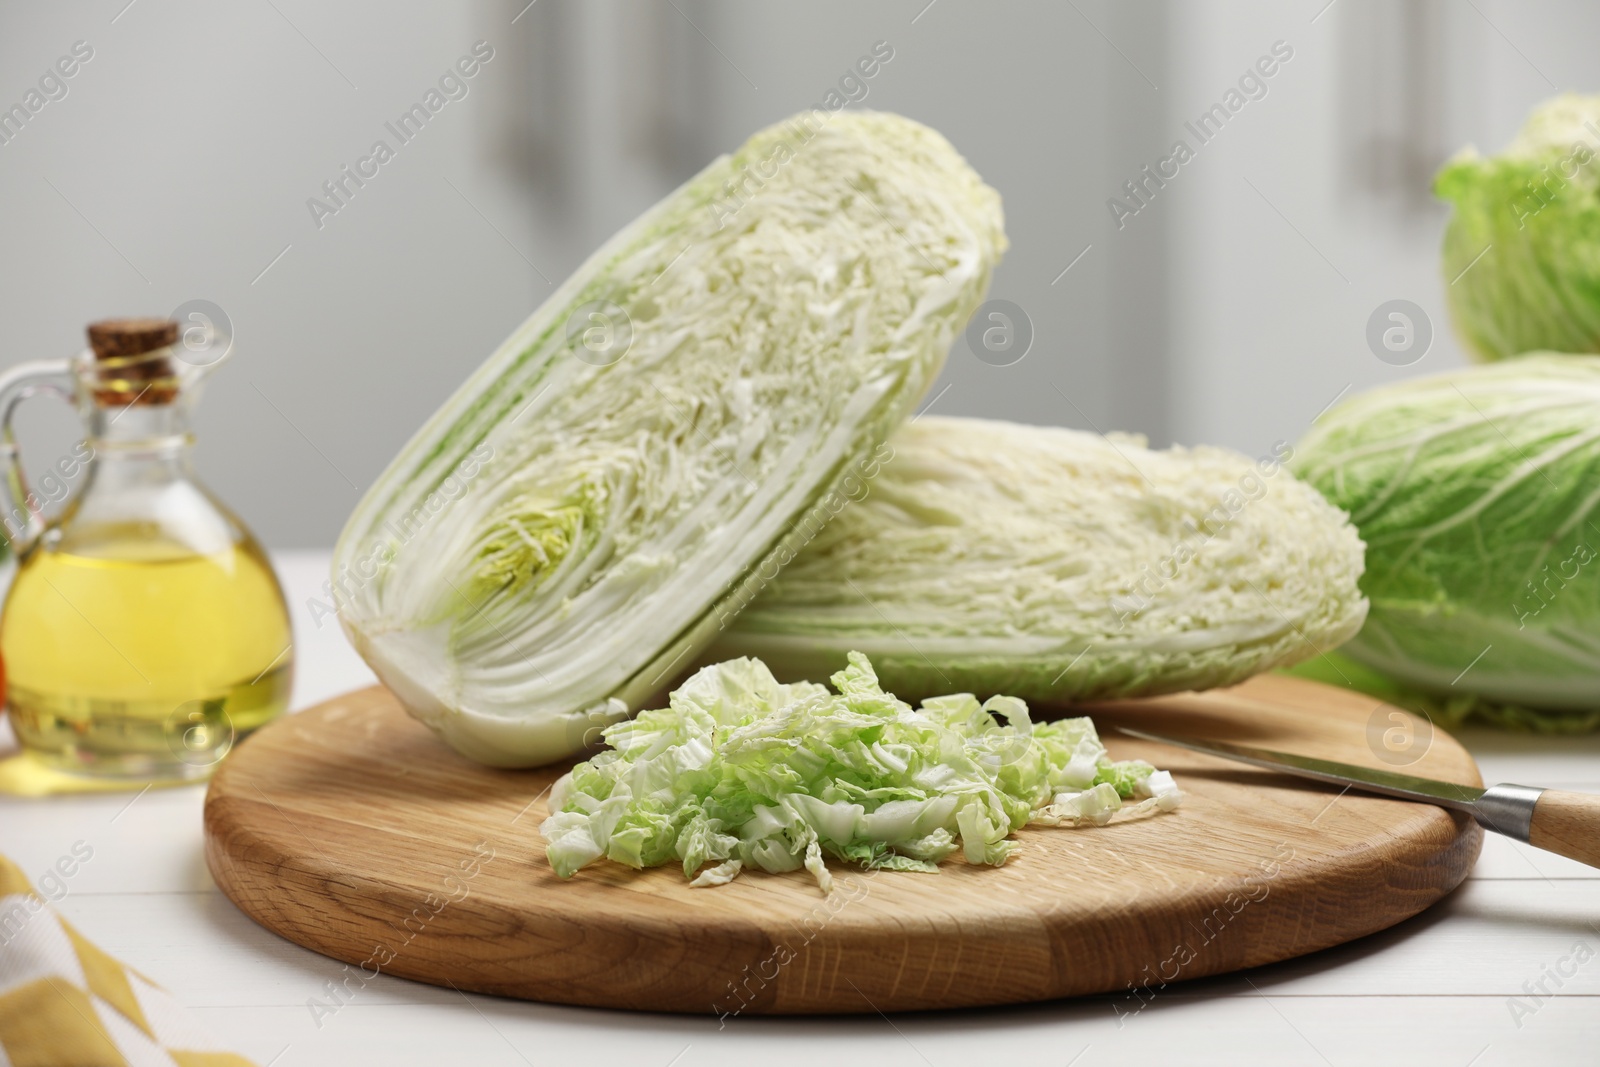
[1567, 824]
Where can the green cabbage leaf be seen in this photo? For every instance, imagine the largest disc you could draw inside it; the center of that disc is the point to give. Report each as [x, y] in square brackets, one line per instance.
[1478, 494]
[741, 771]
[569, 529]
[1058, 565]
[1449, 709]
[1522, 248]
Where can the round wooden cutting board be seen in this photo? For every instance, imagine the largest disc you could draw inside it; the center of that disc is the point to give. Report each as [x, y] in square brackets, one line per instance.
[350, 829]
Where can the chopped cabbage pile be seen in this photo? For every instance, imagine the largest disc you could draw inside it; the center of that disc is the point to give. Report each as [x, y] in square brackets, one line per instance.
[740, 770]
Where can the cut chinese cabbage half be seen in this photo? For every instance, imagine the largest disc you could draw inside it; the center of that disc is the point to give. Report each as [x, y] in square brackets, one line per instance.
[555, 542]
[1056, 565]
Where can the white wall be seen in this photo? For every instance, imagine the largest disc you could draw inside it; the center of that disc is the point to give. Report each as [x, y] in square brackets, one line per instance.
[192, 140]
[190, 144]
[180, 162]
[1265, 331]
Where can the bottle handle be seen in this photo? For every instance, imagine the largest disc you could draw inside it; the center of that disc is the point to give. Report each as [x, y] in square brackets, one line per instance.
[21, 522]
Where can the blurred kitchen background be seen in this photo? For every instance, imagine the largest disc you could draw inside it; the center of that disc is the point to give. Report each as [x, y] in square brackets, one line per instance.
[1231, 308]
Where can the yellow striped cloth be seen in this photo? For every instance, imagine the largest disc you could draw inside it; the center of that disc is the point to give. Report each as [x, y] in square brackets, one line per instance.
[65, 1003]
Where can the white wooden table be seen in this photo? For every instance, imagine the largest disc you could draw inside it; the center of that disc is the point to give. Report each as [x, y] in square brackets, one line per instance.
[1454, 986]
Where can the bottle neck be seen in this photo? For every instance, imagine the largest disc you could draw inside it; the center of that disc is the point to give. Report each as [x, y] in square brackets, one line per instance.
[142, 434]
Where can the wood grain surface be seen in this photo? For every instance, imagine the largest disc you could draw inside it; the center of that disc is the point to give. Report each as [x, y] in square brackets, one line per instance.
[1567, 824]
[350, 829]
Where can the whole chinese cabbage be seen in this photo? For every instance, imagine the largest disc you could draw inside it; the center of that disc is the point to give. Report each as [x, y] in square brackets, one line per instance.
[1522, 249]
[741, 771]
[555, 541]
[1478, 494]
[1058, 565]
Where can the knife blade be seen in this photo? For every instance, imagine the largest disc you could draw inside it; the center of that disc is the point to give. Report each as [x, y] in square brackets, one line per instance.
[1506, 809]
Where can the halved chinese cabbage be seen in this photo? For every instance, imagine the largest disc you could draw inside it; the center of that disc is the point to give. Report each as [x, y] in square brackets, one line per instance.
[1057, 565]
[553, 544]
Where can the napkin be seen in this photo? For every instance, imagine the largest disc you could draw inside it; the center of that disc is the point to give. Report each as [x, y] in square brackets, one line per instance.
[66, 1003]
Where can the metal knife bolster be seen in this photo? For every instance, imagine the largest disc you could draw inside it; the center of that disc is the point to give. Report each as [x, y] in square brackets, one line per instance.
[1507, 809]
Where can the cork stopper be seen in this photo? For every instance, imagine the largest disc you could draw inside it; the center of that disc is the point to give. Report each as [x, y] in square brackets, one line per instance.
[125, 378]
[113, 338]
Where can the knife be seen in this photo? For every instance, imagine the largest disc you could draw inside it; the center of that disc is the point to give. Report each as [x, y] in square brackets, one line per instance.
[1567, 824]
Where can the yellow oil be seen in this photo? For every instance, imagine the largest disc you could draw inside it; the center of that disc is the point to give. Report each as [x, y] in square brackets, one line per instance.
[139, 657]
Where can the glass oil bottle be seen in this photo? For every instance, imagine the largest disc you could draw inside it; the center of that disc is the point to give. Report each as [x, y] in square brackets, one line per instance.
[145, 631]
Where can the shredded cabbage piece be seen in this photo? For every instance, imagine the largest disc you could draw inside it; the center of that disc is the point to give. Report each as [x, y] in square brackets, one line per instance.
[741, 771]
